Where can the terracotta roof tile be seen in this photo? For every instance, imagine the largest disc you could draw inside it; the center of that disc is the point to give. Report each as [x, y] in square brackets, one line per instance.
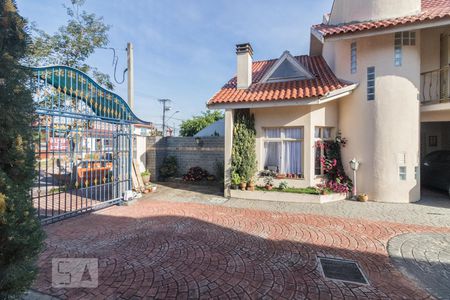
[431, 10]
[324, 81]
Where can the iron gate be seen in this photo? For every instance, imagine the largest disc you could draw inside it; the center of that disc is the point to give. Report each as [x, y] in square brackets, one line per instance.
[83, 144]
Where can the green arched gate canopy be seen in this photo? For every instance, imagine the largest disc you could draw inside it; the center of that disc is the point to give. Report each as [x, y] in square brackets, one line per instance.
[70, 82]
[83, 143]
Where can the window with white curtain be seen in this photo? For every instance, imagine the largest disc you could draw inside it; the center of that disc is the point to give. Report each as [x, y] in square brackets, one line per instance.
[321, 134]
[283, 150]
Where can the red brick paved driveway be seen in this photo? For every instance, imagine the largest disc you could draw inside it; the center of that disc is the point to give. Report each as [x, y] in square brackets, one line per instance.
[183, 250]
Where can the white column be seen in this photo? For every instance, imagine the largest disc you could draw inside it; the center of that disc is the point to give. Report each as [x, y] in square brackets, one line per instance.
[228, 150]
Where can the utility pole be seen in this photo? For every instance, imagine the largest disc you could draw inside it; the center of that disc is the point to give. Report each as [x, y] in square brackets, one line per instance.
[166, 107]
[130, 62]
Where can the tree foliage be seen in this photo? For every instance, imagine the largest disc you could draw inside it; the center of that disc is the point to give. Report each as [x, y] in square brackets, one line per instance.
[243, 156]
[72, 44]
[21, 235]
[192, 126]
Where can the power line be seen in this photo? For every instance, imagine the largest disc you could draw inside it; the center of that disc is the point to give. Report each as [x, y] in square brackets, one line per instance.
[114, 63]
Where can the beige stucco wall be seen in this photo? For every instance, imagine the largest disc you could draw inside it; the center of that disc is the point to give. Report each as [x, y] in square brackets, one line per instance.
[430, 49]
[345, 11]
[382, 131]
[307, 117]
[435, 116]
[228, 136]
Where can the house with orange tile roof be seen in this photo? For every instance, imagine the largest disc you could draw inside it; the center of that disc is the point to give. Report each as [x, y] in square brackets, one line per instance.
[377, 72]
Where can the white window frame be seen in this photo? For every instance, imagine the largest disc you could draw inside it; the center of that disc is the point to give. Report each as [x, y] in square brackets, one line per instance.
[283, 139]
[322, 139]
[398, 54]
[402, 173]
[402, 38]
[353, 58]
[371, 83]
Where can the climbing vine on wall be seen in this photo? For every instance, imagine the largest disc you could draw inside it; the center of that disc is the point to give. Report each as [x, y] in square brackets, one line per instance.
[244, 145]
[331, 161]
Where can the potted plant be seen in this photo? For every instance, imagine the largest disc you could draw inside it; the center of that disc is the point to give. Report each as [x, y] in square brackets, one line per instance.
[268, 181]
[251, 185]
[243, 183]
[235, 180]
[283, 185]
[363, 197]
[146, 176]
[281, 176]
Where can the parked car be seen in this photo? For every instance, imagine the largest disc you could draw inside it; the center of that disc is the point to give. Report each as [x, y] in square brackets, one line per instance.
[435, 170]
[89, 170]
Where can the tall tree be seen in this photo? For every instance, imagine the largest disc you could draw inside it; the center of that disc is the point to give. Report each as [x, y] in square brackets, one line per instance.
[192, 126]
[21, 234]
[72, 44]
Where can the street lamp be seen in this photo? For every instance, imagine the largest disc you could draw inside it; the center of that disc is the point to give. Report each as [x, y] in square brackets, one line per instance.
[354, 164]
[172, 116]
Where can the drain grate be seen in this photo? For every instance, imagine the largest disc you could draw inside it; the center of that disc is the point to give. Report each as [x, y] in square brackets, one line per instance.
[344, 270]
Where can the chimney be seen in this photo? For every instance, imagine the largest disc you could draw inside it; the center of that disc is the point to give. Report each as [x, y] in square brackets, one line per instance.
[244, 65]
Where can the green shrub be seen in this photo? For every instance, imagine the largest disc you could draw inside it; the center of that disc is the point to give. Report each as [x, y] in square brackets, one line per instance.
[243, 157]
[283, 185]
[169, 167]
[235, 178]
[21, 235]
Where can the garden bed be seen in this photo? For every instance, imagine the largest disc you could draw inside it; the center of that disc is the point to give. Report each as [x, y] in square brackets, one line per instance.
[293, 195]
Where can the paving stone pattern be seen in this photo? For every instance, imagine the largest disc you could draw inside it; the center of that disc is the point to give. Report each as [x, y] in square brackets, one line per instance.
[425, 258]
[166, 250]
[433, 210]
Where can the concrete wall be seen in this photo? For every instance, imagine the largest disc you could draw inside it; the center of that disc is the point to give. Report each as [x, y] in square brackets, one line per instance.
[438, 115]
[345, 11]
[383, 134]
[187, 151]
[139, 151]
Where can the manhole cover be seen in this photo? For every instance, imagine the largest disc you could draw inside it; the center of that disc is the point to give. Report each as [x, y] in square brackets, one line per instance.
[344, 270]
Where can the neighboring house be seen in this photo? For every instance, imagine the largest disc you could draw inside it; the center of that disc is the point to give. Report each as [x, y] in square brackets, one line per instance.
[377, 70]
[215, 129]
[144, 129]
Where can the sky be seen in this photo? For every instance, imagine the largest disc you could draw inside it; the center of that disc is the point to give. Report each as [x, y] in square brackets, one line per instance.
[184, 50]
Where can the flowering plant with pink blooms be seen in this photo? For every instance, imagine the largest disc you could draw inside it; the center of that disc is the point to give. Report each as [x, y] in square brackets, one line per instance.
[335, 178]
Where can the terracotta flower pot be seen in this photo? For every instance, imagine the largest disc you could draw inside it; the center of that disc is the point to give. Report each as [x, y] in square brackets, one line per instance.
[363, 198]
[269, 187]
[243, 185]
[146, 178]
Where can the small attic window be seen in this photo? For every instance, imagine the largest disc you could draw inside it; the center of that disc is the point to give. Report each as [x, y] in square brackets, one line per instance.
[286, 71]
[286, 68]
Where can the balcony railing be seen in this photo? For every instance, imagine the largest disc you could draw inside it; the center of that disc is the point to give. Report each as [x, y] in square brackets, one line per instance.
[435, 86]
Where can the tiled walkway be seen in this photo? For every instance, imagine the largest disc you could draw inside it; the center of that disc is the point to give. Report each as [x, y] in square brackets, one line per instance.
[167, 250]
[424, 257]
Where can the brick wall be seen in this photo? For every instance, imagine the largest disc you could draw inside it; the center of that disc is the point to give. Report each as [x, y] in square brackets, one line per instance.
[187, 151]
